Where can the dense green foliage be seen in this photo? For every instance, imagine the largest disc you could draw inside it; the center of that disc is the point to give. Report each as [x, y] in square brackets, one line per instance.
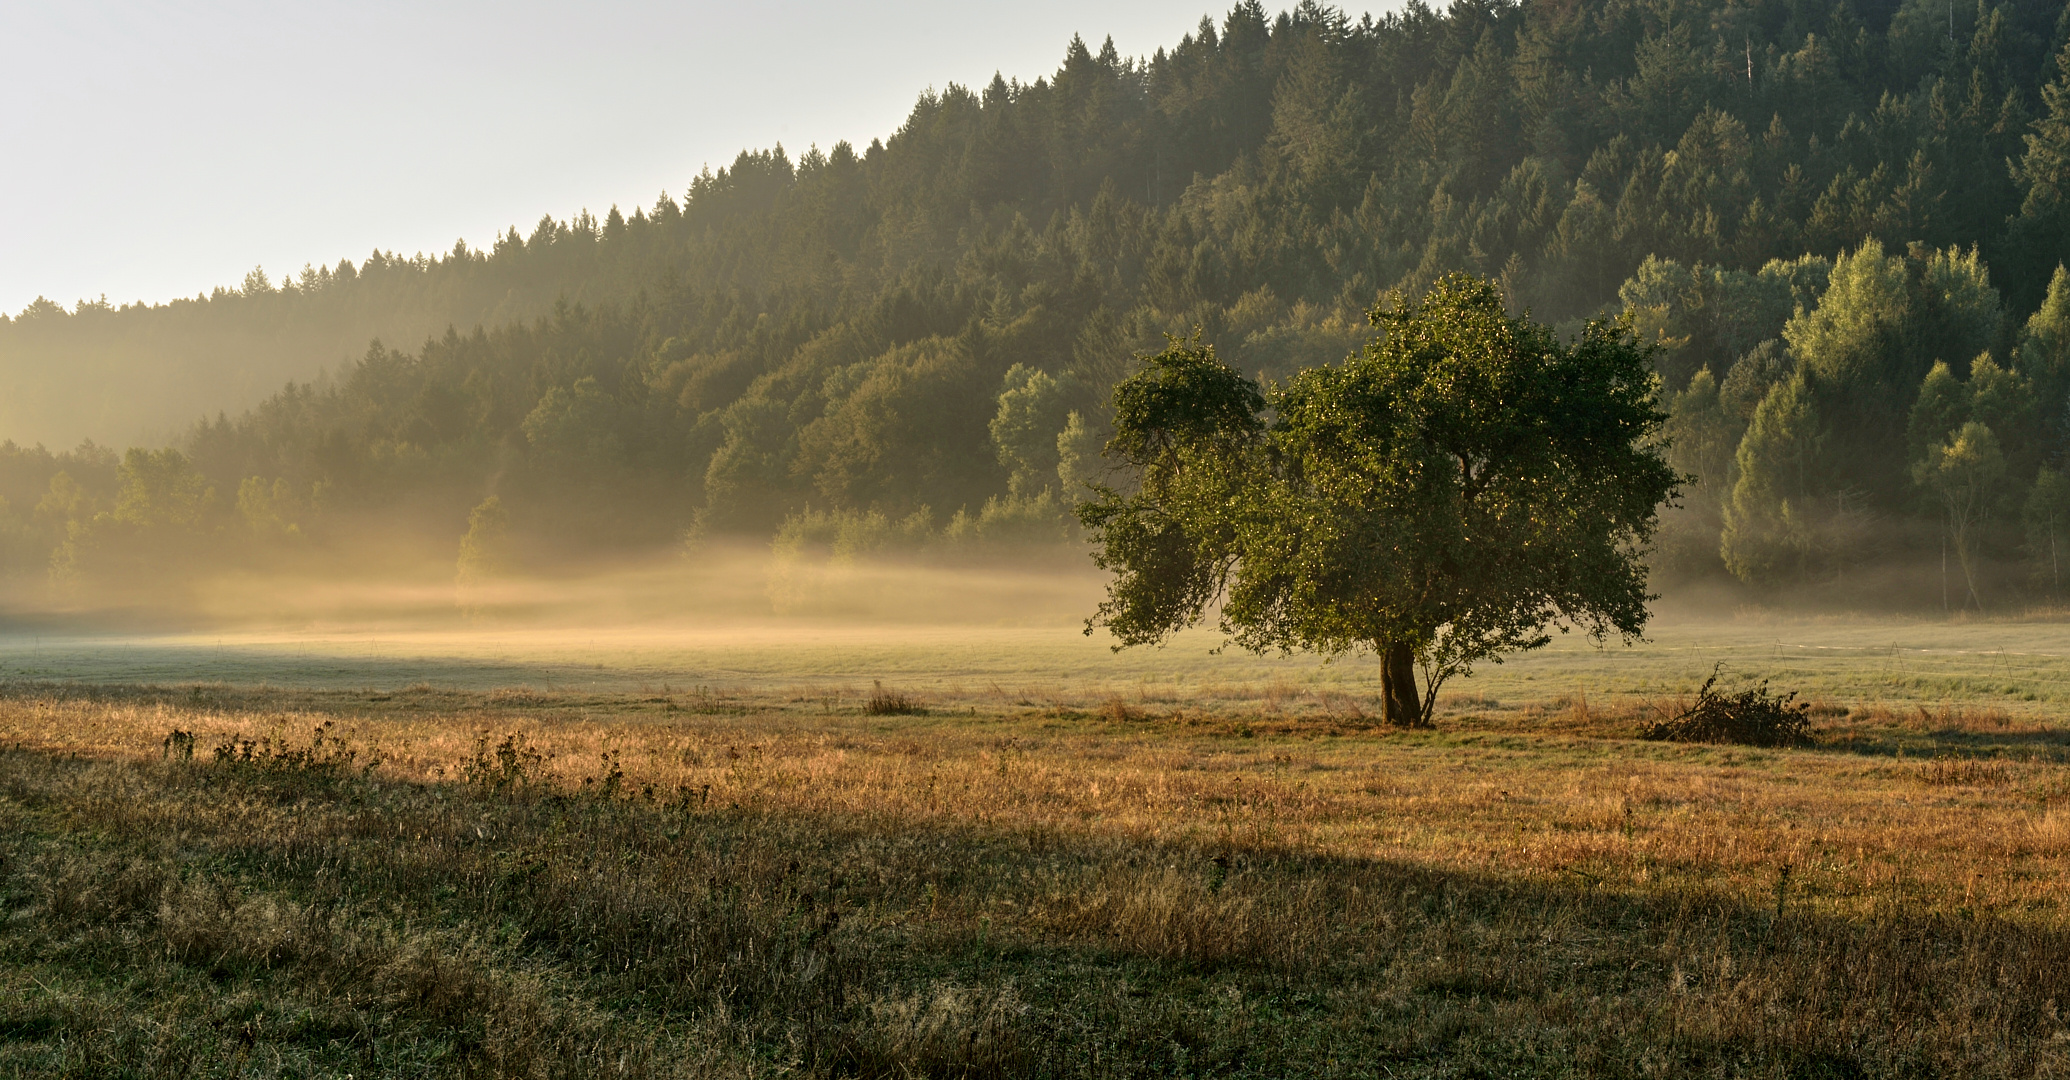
[1881, 425]
[1439, 499]
[909, 329]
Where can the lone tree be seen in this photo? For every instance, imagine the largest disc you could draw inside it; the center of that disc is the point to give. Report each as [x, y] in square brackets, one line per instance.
[1441, 498]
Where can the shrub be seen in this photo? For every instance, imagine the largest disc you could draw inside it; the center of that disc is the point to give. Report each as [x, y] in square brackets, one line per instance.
[892, 703]
[1752, 717]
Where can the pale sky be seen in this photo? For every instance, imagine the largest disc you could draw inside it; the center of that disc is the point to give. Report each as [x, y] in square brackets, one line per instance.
[154, 149]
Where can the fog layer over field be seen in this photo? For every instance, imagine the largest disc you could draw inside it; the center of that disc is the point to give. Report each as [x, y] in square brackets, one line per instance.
[385, 586]
[741, 619]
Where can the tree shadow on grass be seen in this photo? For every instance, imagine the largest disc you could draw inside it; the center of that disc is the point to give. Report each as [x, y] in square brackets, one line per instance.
[859, 944]
[1891, 742]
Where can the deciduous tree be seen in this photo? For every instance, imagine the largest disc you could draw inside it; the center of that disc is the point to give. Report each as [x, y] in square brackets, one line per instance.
[1964, 473]
[1440, 499]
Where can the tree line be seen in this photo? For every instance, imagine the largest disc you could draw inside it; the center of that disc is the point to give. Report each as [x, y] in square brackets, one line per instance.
[1805, 206]
[1898, 410]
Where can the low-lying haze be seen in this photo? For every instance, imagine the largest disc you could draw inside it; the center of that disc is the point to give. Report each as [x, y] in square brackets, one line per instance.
[739, 620]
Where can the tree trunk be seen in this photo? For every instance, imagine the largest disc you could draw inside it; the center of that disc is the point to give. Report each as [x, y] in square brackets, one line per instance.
[1398, 686]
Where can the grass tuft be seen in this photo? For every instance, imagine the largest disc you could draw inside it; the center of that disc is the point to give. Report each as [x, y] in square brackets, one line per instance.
[1114, 710]
[884, 702]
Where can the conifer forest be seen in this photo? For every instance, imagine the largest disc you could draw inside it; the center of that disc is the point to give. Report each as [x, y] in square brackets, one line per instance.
[1841, 225]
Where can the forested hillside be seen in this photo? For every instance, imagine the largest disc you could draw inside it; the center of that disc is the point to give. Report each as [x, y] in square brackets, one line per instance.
[1840, 221]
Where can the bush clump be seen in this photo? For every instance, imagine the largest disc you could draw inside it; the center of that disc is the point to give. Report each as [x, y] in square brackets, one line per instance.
[893, 703]
[1752, 717]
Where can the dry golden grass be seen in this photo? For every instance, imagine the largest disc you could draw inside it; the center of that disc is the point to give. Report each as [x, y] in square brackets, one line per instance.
[725, 883]
[1929, 811]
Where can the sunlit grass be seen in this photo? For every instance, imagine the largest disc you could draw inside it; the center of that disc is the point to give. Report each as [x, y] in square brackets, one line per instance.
[1151, 864]
[1540, 789]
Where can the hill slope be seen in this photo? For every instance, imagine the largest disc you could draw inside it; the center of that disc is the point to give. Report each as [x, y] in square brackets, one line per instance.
[850, 330]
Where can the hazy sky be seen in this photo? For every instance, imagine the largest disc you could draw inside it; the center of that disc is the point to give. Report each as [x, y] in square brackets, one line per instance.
[154, 150]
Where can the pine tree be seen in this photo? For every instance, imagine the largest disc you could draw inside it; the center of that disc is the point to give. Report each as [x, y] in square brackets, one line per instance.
[2042, 226]
[2044, 170]
[2044, 354]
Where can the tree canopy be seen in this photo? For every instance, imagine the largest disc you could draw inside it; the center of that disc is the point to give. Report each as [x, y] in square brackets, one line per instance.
[1440, 498]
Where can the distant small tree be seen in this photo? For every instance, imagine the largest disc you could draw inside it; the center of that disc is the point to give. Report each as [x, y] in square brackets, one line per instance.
[2004, 401]
[1942, 408]
[1077, 446]
[1766, 538]
[576, 428]
[1440, 498]
[163, 516]
[1033, 409]
[1702, 437]
[1867, 345]
[484, 550]
[2047, 518]
[1964, 473]
[161, 489]
[273, 511]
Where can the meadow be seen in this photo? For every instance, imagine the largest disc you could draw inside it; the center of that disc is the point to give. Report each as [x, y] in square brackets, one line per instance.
[893, 849]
